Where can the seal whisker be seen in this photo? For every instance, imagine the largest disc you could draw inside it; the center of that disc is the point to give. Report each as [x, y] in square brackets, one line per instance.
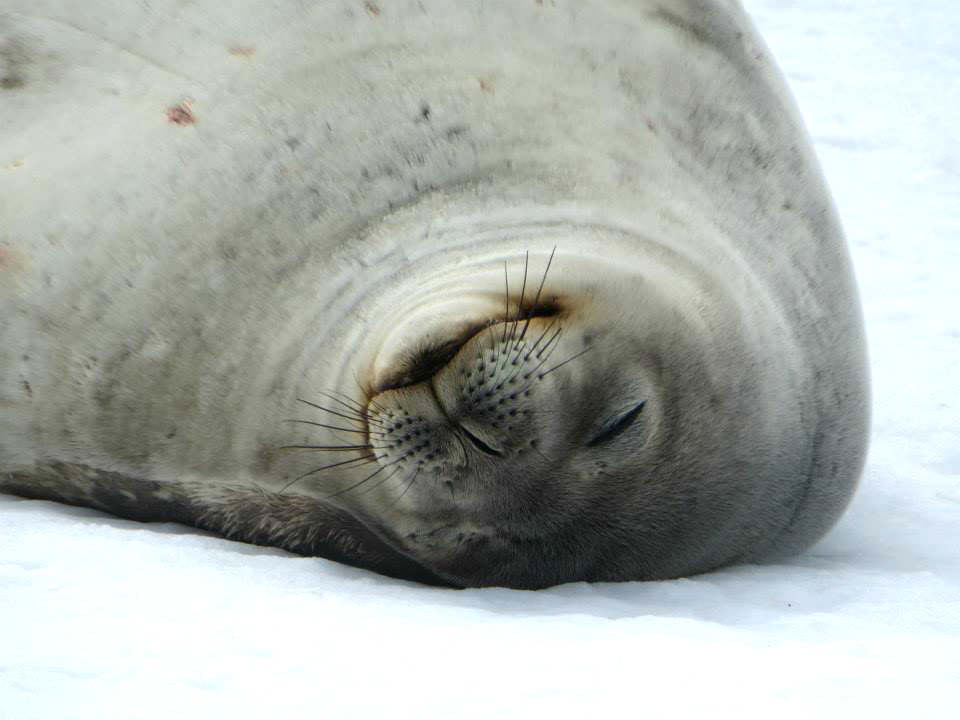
[506, 301]
[493, 343]
[526, 358]
[530, 373]
[536, 298]
[569, 359]
[358, 484]
[356, 405]
[549, 342]
[409, 485]
[378, 406]
[381, 481]
[542, 362]
[501, 352]
[325, 409]
[542, 335]
[333, 427]
[361, 460]
[340, 414]
[364, 459]
[362, 391]
[523, 292]
[326, 447]
[353, 405]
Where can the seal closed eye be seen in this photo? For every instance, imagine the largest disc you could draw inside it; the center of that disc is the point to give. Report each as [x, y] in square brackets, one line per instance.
[618, 426]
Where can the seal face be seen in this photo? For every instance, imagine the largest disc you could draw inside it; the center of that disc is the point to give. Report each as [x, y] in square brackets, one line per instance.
[579, 310]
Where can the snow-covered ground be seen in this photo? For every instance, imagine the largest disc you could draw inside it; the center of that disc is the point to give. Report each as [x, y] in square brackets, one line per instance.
[102, 618]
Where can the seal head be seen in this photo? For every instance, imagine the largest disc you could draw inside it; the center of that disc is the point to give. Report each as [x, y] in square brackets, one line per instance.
[579, 436]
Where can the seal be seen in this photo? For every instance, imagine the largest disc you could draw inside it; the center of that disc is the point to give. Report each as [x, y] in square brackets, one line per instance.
[474, 293]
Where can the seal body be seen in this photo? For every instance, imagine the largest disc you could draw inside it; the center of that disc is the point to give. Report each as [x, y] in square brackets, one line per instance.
[475, 293]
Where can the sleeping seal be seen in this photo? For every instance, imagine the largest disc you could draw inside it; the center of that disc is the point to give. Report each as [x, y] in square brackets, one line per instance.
[474, 293]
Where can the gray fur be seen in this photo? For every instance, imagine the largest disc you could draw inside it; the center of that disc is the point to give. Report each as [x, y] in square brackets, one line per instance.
[319, 201]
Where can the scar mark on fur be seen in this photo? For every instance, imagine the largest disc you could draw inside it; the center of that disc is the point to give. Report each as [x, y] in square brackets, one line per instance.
[10, 260]
[181, 114]
[13, 59]
[12, 82]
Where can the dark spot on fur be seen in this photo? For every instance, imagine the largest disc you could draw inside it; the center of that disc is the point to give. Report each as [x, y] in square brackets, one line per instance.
[27, 389]
[181, 114]
[9, 260]
[684, 26]
[452, 133]
[372, 8]
[424, 113]
[12, 82]
[265, 458]
[14, 58]
[105, 392]
[242, 51]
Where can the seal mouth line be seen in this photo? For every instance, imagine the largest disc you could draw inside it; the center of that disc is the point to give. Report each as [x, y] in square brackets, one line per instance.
[479, 444]
[460, 430]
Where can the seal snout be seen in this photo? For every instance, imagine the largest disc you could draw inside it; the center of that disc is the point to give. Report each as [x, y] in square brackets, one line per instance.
[481, 407]
[491, 391]
[408, 432]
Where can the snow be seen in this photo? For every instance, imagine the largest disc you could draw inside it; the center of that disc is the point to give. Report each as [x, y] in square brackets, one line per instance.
[105, 618]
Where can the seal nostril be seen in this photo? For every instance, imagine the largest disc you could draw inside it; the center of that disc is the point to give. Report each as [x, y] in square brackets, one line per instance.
[480, 444]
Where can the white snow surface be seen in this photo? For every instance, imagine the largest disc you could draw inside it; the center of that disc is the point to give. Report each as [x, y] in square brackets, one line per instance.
[103, 618]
